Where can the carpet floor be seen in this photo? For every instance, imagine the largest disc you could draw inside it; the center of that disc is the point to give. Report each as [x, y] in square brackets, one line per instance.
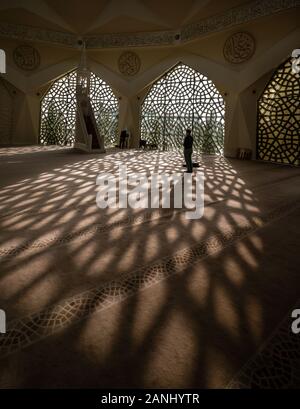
[147, 298]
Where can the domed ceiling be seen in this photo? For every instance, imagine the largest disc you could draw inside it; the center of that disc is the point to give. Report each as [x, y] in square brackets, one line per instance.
[119, 23]
[110, 16]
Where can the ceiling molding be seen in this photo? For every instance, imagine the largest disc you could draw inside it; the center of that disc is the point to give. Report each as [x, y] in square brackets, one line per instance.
[27, 33]
[236, 16]
[156, 38]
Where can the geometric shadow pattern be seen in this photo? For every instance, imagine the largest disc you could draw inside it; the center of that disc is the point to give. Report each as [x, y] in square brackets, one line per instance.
[183, 98]
[58, 111]
[32, 328]
[279, 118]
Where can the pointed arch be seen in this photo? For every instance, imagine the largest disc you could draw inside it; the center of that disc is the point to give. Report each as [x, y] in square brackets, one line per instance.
[278, 130]
[183, 98]
[58, 111]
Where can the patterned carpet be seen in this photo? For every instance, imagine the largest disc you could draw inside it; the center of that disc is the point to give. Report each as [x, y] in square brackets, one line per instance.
[277, 363]
[64, 262]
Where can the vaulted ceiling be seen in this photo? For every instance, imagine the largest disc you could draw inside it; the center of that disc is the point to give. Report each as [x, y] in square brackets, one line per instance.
[110, 16]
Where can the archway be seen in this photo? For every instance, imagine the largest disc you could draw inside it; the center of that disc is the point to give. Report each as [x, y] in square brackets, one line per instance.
[279, 118]
[58, 111]
[181, 99]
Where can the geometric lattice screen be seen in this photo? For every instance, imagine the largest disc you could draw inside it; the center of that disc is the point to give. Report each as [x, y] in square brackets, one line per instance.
[181, 99]
[279, 118]
[58, 111]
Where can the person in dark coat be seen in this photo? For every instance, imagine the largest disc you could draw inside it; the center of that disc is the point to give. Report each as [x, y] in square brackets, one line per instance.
[188, 150]
[123, 137]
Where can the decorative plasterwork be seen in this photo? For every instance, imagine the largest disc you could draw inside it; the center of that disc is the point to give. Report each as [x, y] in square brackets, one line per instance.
[26, 57]
[238, 15]
[26, 33]
[131, 40]
[239, 47]
[230, 18]
[129, 63]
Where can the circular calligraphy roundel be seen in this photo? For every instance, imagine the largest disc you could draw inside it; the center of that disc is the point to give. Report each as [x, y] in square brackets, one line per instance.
[26, 57]
[129, 63]
[239, 48]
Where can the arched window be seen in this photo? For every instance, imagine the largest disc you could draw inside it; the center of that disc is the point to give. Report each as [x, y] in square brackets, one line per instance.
[58, 111]
[181, 99]
[279, 118]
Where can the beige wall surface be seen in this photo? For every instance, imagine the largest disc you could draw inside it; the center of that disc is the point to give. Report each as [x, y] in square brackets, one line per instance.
[241, 85]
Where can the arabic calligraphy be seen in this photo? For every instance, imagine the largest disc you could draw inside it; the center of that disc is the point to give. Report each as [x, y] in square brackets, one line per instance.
[239, 48]
[26, 57]
[129, 63]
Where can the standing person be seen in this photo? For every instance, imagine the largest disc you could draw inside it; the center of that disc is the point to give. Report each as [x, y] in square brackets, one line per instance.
[123, 138]
[127, 138]
[188, 150]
